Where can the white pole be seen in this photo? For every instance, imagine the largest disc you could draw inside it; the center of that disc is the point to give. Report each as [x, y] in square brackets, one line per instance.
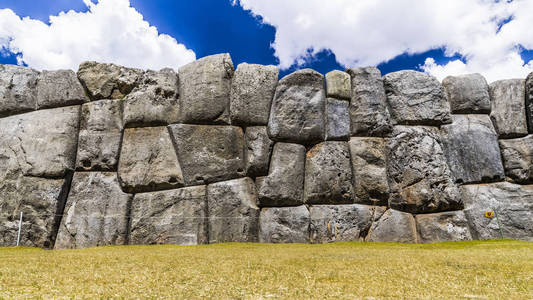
[20, 227]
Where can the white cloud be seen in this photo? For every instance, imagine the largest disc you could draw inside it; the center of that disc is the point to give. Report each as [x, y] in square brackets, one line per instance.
[110, 31]
[368, 32]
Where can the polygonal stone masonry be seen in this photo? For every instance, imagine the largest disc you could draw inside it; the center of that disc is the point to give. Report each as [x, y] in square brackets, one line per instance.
[508, 111]
[529, 102]
[338, 85]
[517, 157]
[337, 119]
[108, 81]
[393, 226]
[443, 227]
[257, 151]
[467, 94]
[18, 91]
[59, 88]
[284, 225]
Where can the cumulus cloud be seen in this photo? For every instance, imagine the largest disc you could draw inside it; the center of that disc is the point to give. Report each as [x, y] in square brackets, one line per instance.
[109, 31]
[487, 34]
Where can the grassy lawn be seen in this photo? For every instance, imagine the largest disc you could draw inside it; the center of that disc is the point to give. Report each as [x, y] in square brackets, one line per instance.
[465, 270]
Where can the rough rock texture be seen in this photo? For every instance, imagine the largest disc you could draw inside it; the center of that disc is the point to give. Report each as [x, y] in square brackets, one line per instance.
[148, 161]
[252, 90]
[368, 107]
[18, 92]
[529, 101]
[416, 98]
[59, 88]
[468, 94]
[517, 156]
[442, 227]
[419, 176]
[481, 162]
[96, 213]
[369, 166]
[328, 174]
[338, 85]
[108, 81]
[204, 89]
[284, 225]
[508, 112]
[512, 203]
[393, 226]
[284, 184]
[170, 217]
[337, 119]
[298, 108]
[209, 153]
[233, 212]
[100, 136]
[257, 151]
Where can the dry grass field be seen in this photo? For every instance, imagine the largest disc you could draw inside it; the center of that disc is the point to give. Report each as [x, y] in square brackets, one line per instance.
[466, 270]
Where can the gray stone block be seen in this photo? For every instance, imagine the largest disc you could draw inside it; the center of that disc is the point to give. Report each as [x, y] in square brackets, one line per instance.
[257, 151]
[393, 226]
[337, 119]
[508, 111]
[338, 85]
[18, 91]
[284, 225]
[468, 94]
[108, 81]
[517, 156]
[59, 88]
[529, 102]
[450, 226]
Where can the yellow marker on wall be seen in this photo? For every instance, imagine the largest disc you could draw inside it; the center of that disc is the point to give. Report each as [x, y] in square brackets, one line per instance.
[489, 214]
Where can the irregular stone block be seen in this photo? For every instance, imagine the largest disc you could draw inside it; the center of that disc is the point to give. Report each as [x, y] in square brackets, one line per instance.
[338, 85]
[252, 90]
[368, 107]
[337, 120]
[284, 225]
[233, 212]
[328, 174]
[508, 111]
[471, 148]
[468, 94]
[170, 217]
[204, 87]
[298, 108]
[284, 184]
[529, 102]
[419, 177]
[369, 166]
[393, 226]
[59, 88]
[517, 157]
[108, 81]
[416, 98]
[209, 153]
[148, 161]
[18, 92]
[257, 151]
[448, 226]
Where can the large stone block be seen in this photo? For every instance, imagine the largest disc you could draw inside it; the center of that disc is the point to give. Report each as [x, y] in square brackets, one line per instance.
[204, 88]
[337, 119]
[508, 111]
[18, 91]
[298, 108]
[209, 153]
[328, 174]
[59, 88]
[419, 176]
[393, 226]
[416, 98]
[233, 212]
[471, 148]
[257, 151]
[170, 217]
[338, 85]
[443, 227]
[252, 90]
[96, 213]
[284, 225]
[517, 156]
[148, 161]
[529, 102]
[468, 94]
[108, 81]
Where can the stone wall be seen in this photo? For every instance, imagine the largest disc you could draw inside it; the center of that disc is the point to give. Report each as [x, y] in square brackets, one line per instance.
[113, 155]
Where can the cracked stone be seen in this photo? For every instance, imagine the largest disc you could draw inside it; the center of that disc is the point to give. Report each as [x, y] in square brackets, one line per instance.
[393, 226]
[257, 151]
[18, 92]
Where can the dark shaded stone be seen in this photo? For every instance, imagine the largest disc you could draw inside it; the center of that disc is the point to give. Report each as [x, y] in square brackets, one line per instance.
[257, 151]
[468, 94]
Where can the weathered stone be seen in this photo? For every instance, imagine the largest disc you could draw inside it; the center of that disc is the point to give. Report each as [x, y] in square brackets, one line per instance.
[442, 227]
[513, 207]
[346, 222]
[108, 81]
[257, 151]
[393, 226]
[284, 184]
[468, 94]
[368, 107]
[96, 213]
[18, 92]
[517, 159]
[508, 111]
[284, 225]
[204, 87]
[419, 177]
[369, 166]
[209, 153]
[252, 90]
[59, 88]
[298, 108]
[471, 148]
[529, 102]
[148, 161]
[233, 212]
[328, 174]
[338, 85]
[337, 119]
[416, 98]
[170, 217]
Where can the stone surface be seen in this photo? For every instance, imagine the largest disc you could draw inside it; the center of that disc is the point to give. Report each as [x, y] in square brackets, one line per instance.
[252, 90]
[337, 119]
[419, 177]
[209, 153]
[512, 203]
[517, 157]
[100, 136]
[298, 108]
[471, 148]
[508, 111]
[443, 227]
[338, 85]
[108, 81]
[328, 174]
[368, 106]
[170, 217]
[369, 166]
[204, 89]
[284, 225]
[59, 88]
[257, 151]
[17, 90]
[148, 161]
[416, 98]
[284, 184]
[529, 102]
[233, 212]
[393, 226]
[468, 94]
[96, 212]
